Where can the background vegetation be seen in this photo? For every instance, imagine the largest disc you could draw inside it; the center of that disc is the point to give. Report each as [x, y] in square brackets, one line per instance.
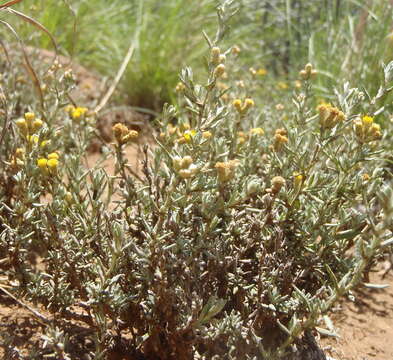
[279, 36]
[264, 193]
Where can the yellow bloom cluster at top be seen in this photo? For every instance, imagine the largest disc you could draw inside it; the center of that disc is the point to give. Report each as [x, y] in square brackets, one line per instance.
[243, 107]
[218, 60]
[49, 164]
[280, 139]
[123, 134]
[76, 113]
[366, 129]
[329, 116]
[28, 126]
[182, 134]
[258, 72]
[226, 170]
[308, 72]
[185, 166]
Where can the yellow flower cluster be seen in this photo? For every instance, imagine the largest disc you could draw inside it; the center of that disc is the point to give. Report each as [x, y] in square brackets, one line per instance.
[280, 139]
[28, 126]
[308, 72]
[243, 107]
[180, 87]
[184, 166]
[123, 134]
[277, 183]
[258, 72]
[226, 170]
[281, 85]
[76, 113]
[49, 164]
[217, 59]
[182, 134]
[366, 130]
[297, 179]
[257, 131]
[329, 116]
[236, 50]
[186, 137]
[242, 137]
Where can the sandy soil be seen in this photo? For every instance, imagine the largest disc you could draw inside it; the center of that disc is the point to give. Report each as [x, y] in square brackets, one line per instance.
[365, 327]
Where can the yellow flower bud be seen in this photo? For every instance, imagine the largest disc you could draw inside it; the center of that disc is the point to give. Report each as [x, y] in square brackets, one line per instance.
[281, 85]
[215, 55]
[277, 183]
[29, 117]
[237, 103]
[257, 131]
[22, 126]
[132, 135]
[186, 162]
[366, 177]
[219, 70]
[298, 179]
[53, 155]
[19, 153]
[279, 141]
[177, 163]
[375, 128]
[367, 121]
[180, 87]
[207, 135]
[123, 135]
[78, 112]
[185, 173]
[252, 71]
[188, 135]
[184, 126]
[308, 68]
[248, 103]
[32, 139]
[37, 124]
[52, 165]
[226, 170]
[42, 163]
[261, 72]
[241, 140]
[44, 143]
[236, 50]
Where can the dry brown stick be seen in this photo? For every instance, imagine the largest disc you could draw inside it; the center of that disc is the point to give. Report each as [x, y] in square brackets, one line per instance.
[119, 75]
[37, 314]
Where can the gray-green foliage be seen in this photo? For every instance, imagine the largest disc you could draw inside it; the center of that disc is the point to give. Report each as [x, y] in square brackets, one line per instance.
[247, 225]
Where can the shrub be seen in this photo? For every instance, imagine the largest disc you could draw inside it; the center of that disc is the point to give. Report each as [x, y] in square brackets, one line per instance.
[246, 224]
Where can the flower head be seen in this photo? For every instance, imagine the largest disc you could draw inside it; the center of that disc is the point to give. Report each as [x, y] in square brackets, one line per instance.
[277, 183]
[22, 126]
[219, 70]
[257, 131]
[52, 165]
[366, 130]
[226, 170]
[124, 135]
